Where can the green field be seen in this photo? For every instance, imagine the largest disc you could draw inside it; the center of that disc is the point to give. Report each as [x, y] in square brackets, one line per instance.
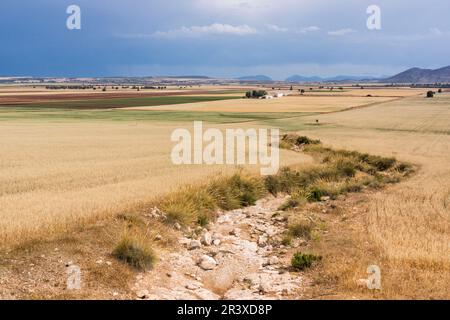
[292, 120]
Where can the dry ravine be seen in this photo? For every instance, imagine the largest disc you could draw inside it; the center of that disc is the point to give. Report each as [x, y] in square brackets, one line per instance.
[240, 256]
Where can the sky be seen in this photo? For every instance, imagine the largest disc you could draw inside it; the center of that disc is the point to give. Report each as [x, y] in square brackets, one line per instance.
[221, 38]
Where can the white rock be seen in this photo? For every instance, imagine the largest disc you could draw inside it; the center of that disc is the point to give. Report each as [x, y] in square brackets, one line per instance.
[194, 244]
[264, 288]
[274, 260]
[207, 263]
[217, 242]
[158, 237]
[142, 294]
[235, 232]
[192, 286]
[206, 294]
[177, 226]
[206, 239]
[262, 241]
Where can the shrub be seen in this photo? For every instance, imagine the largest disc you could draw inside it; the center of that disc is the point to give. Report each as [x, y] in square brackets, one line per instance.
[345, 168]
[302, 229]
[187, 205]
[380, 163]
[301, 261]
[305, 141]
[315, 193]
[237, 191]
[289, 204]
[135, 251]
[272, 185]
[255, 94]
[430, 94]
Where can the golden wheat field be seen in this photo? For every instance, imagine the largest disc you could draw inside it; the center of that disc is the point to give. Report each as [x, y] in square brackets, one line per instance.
[58, 176]
[410, 222]
[285, 104]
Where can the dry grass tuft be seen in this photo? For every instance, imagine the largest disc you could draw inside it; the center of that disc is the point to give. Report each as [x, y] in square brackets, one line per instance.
[135, 250]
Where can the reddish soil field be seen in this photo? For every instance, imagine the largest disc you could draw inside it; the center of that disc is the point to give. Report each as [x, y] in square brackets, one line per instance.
[25, 99]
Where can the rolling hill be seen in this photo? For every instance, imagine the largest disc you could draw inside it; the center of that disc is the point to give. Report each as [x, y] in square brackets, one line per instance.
[422, 76]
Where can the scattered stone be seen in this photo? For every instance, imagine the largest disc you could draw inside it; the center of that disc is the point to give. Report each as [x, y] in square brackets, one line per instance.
[274, 260]
[235, 232]
[216, 242]
[142, 294]
[192, 286]
[158, 237]
[264, 288]
[207, 263]
[194, 244]
[262, 241]
[177, 226]
[326, 198]
[206, 239]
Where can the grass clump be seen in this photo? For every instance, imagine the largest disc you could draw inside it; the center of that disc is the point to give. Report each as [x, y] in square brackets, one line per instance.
[197, 204]
[189, 205]
[301, 229]
[135, 251]
[301, 261]
[236, 192]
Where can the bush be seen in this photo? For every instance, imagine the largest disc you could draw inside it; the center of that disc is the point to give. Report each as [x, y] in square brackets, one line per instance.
[255, 94]
[272, 185]
[430, 94]
[301, 261]
[135, 251]
[289, 204]
[345, 168]
[301, 229]
[380, 163]
[187, 205]
[236, 192]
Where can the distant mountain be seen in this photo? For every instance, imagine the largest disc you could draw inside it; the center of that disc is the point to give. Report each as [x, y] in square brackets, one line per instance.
[421, 76]
[298, 78]
[258, 78]
[188, 77]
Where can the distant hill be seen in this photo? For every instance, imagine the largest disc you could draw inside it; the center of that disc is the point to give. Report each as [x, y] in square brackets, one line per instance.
[259, 78]
[298, 78]
[421, 76]
[188, 77]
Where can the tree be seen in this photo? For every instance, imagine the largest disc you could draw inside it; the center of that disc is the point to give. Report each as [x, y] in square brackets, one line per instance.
[302, 91]
[255, 94]
[440, 90]
[292, 88]
[430, 94]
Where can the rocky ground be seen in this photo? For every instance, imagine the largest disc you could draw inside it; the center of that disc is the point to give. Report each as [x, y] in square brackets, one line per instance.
[240, 256]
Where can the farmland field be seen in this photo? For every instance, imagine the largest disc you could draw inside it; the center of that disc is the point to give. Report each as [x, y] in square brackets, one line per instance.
[286, 104]
[62, 167]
